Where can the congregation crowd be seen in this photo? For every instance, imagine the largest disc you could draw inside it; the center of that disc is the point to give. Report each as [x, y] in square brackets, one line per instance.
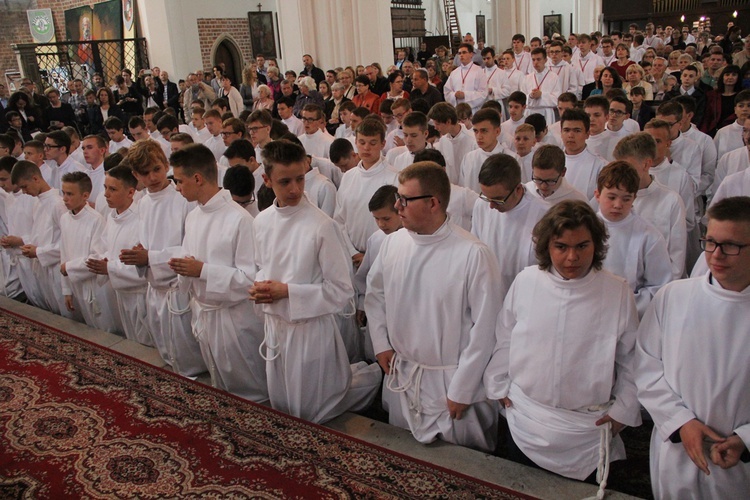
[553, 234]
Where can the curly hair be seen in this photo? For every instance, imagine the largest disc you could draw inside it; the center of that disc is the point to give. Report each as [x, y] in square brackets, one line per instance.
[569, 215]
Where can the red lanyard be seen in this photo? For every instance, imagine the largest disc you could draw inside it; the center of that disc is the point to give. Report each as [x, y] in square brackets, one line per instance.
[518, 65]
[583, 68]
[558, 68]
[539, 85]
[490, 78]
[463, 77]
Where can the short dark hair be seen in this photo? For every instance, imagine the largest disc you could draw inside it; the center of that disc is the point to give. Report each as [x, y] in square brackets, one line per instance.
[487, 114]
[114, 123]
[416, 119]
[671, 108]
[733, 209]
[61, 139]
[7, 163]
[430, 154]
[518, 97]
[597, 101]
[519, 36]
[167, 121]
[262, 116]
[81, 179]
[569, 215]
[576, 115]
[537, 121]
[618, 174]
[384, 197]
[340, 148]
[23, 170]
[443, 112]
[549, 157]
[196, 159]
[282, 153]
[124, 173]
[240, 148]
[371, 128]
[500, 169]
[239, 180]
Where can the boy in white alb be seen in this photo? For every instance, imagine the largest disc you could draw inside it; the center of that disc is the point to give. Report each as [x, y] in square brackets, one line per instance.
[198, 128]
[683, 150]
[382, 208]
[359, 184]
[415, 139]
[581, 164]
[541, 87]
[548, 177]
[284, 107]
[116, 132]
[461, 205]
[637, 251]
[601, 141]
[33, 151]
[81, 229]
[217, 266]
[504, 217]
[121, 231]
[699, 446]
[455, 140]
[733, 161]
[434, 356]
[486, 127]
[303, 281]
[466, 83]
[43, 243]
[671, 174]
[525, 145]
[655, 202]
[19, 210]
[94, 151]
[215, 143]
[563, 417]
[517, 111]
[315, 140]
[729, 138]
[162, 213]
[57, 147]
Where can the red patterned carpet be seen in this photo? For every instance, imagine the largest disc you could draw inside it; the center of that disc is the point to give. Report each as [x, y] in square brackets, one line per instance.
[78, 420]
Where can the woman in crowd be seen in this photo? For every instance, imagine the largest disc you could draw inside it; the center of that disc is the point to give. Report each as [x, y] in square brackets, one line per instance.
[127, 98]
[31, 116]
[249, 85]
[325, 91]
[98, 113]
[608, 80]
[274, 81]
[264, 100]
[634, 77]
[622, 61]
[720, 101]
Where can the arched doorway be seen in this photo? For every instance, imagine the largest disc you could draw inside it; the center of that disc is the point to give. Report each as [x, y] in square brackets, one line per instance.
[227, 53]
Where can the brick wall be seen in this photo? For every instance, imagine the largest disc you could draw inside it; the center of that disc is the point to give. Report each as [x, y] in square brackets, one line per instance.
[209, 30]
[15, 26]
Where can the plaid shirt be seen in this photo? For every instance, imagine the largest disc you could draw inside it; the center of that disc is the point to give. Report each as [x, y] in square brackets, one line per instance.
[76, 101]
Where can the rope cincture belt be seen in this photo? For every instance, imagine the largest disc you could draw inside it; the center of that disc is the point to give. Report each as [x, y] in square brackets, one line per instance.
[413, 379]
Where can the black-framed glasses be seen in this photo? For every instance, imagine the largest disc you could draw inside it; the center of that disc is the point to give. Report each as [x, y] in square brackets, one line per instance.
[245, 203]
[404, 200]
[617, 112]
[51, 146]
[710, 246]
[256, 129]
[307, 119]
[227, 134]
[496, 201]
[546, 182]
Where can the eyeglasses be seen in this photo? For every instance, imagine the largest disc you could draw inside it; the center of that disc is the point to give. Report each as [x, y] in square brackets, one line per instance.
[404, 200]
[710, 246]
[245, 203]
[496, 201]
[51, 146]
[256, 129]
[546, 182]
[227, 134]
[617, 112]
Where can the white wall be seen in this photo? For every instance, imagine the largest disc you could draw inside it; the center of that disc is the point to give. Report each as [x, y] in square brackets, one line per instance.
[562, 7]
[171, 28]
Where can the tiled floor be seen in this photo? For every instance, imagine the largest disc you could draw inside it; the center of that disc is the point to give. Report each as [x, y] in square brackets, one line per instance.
[469, 462]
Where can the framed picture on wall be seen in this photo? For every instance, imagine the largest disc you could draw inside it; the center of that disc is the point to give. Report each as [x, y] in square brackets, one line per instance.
[552, 25]
[481, 33]
[262, 33]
